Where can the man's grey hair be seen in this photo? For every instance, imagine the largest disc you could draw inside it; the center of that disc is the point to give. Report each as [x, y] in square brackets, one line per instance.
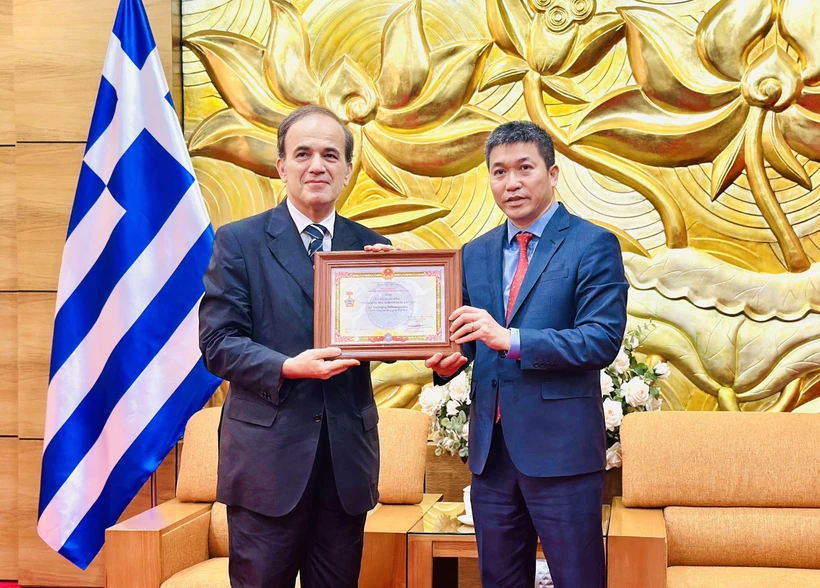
[520, 131]
[304, 112]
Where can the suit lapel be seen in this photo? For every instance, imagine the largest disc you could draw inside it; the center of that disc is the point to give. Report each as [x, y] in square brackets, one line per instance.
[287, 247]
[551, 239]
[494, 252]
[344, 239]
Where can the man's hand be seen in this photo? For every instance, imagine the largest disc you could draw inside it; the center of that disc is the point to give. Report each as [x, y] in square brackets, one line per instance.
[317, 363]
[446, 366]
[379, 247]
[476, 324]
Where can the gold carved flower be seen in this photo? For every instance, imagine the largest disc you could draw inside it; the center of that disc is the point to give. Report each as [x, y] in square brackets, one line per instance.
[740, 91]
[413, 116]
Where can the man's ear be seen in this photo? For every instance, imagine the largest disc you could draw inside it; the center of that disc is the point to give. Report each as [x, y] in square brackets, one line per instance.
[348, 172]
[280, 167]
[554, 175]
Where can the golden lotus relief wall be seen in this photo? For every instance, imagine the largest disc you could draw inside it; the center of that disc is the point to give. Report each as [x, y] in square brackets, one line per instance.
[689, 128]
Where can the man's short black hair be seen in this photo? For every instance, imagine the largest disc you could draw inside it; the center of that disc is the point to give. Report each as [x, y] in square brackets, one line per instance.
[520, 131]
[304, 112]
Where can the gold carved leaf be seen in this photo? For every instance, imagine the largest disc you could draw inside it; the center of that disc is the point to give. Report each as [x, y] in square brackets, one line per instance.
[228, 137]
[405, 67]
[287, 58]
[594, 40]
[509, 22]
[801, 127]
[456, 69]
[397, 215]
[564, 89]
[451, 148]
[692, 274]
[778, 153]
[625, 122]
[810, 99]
[728, 166]
[506, 70]
[666, 65]
[234, 65]
[397, 385]
[800, 25]
[729, 32]
[380, 170]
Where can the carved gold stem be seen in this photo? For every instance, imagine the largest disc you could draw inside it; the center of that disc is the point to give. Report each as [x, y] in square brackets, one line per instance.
[765, 198]
[664, 202]
[356, 163]
[789, 397]
[727, 400]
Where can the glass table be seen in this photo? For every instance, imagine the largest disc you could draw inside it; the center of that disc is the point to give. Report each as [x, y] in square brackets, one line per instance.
[442, 532]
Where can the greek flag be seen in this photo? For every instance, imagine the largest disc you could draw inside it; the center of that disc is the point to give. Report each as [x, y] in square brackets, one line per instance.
[126, 370]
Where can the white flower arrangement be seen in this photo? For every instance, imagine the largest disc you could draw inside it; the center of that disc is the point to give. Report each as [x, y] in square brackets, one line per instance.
[628, 385]
[449, 409]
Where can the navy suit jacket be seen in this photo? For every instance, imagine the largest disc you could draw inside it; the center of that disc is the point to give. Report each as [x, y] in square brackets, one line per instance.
[257, 312]
[571, 313]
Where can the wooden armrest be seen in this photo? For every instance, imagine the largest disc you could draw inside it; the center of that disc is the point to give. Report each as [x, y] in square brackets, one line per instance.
[146, 550]
[384, 558]
[636, 547]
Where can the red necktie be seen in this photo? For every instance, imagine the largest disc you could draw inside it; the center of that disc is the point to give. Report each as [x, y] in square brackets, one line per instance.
[523, 239]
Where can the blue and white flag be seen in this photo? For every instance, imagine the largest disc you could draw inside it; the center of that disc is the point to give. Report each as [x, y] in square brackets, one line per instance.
[126, 370]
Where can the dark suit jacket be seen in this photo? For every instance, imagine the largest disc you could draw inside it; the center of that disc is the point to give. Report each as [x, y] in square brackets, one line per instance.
[258, 311]
[571, 312]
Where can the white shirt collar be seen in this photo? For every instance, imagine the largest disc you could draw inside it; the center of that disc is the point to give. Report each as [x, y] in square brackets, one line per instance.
[302, 221]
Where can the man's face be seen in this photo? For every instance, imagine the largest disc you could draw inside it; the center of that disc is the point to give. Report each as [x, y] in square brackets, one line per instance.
[522, 185]
[314, 167]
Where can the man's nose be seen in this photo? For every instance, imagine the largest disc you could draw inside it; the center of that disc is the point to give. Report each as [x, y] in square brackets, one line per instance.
[317, 165]
[513, 182]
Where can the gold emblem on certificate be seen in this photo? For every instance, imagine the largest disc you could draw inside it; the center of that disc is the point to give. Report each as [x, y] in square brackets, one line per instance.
[388, 305]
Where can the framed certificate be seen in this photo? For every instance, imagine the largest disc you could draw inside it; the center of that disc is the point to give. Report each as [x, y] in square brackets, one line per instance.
[387, 305]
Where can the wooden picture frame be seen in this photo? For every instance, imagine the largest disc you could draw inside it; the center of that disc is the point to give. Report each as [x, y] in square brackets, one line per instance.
[388, 305]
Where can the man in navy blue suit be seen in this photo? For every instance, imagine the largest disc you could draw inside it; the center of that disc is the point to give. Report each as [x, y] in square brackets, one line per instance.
[299, 444]
[544, 311]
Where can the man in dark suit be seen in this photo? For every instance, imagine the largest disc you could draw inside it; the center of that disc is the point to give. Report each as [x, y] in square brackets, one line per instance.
[545, 311]
[299, 446]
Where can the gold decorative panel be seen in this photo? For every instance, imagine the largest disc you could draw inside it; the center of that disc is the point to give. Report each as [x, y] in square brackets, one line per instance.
[689, 128]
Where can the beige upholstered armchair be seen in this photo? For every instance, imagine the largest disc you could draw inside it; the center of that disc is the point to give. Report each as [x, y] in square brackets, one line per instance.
[717, 500]
[184, 542]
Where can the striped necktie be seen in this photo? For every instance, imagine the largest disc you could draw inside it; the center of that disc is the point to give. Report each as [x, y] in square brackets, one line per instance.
[317, 236]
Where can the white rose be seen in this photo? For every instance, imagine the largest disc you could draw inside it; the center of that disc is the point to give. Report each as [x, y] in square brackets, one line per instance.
[431, 400]
[662, 370]
[458, 388]
[653, 404]
[614, 459]
[613, 413]
[634, 342]
[621, 362]
[465, 432]
[452, 407]
[636, 391]
[607, 386]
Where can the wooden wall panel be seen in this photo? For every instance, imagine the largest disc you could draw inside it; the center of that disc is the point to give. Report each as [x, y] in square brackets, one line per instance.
[8, 367]
[60, 50]
[39, 565]
[8, 508]
[43, 209]
[6, 74]
[8, 216]
[35, 312]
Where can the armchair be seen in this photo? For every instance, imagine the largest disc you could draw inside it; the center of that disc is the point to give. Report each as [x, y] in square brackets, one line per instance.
[717, 500]
[183, 543]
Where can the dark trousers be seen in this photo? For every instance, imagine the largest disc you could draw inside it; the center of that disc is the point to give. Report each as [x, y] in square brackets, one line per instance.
[511, 511]
[317, 538]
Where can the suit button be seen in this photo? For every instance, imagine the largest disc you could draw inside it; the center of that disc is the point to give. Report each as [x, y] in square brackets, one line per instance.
[494, 383]
[317, 418]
